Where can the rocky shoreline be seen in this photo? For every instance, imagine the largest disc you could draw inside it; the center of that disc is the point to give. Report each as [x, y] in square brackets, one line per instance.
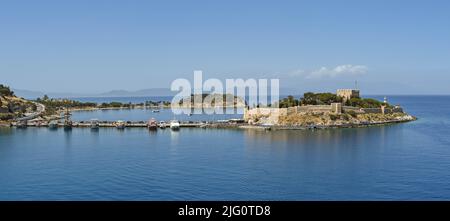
[350, 125]
[405, 119]
[339, 120]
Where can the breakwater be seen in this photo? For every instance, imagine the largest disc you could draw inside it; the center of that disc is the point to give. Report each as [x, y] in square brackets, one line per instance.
[222, 124]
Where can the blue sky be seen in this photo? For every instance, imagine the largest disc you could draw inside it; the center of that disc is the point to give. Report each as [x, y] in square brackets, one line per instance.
[390, 47]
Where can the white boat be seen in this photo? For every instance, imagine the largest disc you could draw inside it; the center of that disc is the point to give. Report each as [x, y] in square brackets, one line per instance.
[53, 124]
[120, 124]
[94, 124]
[175, 125]
[162, 125]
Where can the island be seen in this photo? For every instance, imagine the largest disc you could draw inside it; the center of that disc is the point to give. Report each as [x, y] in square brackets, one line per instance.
[324, 110]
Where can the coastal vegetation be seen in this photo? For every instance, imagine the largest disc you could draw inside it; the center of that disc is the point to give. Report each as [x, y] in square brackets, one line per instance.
[205, 100]
[365, 103]
[290, 101]
[310, 98]
[320, 99]
[54, 105]
[5, 91]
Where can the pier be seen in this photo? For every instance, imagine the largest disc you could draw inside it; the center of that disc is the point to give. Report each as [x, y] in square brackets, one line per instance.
[134, 124]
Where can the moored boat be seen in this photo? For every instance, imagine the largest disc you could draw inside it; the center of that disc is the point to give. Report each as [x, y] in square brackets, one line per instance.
[152, 124]
[162, 125]
[53, 124]
[94, 124]
[67, 122]
[120, 124]
[175, 125]
[68, 125]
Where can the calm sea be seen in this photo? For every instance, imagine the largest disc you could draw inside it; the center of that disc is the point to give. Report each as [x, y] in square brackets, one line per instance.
[409, 161]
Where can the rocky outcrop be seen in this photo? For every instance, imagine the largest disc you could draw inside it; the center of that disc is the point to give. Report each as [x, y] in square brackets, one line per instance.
[12, 107]
[327, 119]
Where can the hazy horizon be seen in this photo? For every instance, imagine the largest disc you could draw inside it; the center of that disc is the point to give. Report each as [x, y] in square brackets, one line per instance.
[163, 92]
[399, 47]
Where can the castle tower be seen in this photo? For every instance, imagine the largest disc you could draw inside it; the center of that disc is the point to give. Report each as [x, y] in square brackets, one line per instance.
[347, 94]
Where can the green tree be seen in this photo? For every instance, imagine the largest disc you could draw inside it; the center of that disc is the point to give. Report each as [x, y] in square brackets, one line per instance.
[310, 98]
[5, 91]
[290, 101]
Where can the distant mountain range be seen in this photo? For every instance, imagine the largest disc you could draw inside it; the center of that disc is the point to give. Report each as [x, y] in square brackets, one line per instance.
[114, 93]
[28, 94]
[139, 93]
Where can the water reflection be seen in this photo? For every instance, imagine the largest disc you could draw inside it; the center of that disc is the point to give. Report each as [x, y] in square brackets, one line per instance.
[322, 142]
[67, 138]
[5, 131]
[174, 137]
[153, 132]
[326, 137]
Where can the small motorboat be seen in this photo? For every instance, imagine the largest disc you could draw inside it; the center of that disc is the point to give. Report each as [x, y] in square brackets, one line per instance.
[204, 125]
[53, 124]
[120, 124]
[162, 125]
[175, 125]
[152, 124]
[94, 124]
[155, 111]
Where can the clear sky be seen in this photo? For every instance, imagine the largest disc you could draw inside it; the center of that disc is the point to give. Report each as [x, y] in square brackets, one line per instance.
[396, 47]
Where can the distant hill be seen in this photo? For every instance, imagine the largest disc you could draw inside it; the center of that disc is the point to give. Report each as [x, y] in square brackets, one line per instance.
[139, 93]
[28, 94]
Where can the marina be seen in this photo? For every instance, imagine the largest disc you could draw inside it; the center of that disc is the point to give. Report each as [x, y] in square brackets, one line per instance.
[120, 124]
